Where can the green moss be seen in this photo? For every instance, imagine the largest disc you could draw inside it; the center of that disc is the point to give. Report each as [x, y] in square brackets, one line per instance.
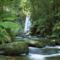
[16, 48]
[37, 43]
[40, 44]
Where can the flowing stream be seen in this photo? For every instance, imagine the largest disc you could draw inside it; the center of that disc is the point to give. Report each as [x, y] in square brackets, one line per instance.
[46, 53]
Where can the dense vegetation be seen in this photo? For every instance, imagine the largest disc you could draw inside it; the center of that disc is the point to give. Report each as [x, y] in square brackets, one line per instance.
[45, 15]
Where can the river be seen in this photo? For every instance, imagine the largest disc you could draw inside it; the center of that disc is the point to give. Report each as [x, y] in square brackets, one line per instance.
[46, 53]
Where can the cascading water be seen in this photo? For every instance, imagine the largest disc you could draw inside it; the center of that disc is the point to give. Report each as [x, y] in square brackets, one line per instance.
[43, 53]
[27, 25]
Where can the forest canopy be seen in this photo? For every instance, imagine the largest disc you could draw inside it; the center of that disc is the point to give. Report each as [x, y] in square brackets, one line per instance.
[45, 14]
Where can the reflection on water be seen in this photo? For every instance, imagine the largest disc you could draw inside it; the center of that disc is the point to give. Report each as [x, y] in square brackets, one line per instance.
[53, 58]
[14, 58]
[37, 54]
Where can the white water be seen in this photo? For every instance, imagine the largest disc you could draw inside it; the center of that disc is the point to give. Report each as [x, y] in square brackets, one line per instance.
[52, 47]
[34, 56]
[41, 57]
[27, 24]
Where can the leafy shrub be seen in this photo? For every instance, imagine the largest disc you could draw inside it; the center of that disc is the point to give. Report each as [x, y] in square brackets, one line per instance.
[13, 26]
[56, 29]
[6, 35]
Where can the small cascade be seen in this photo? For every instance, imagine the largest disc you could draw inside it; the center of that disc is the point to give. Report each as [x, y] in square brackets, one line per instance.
[43, 53]
[27, 25]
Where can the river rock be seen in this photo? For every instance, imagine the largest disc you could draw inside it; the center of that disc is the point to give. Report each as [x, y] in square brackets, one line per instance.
[15, 48]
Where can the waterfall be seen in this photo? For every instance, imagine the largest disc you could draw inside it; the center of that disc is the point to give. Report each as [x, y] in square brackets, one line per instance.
[27, 25]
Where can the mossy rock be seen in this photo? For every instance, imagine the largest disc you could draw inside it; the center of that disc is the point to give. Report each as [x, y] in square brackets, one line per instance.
[16, 48]
[32, 43]
[40, 44]
[37, 43]
[54, 42]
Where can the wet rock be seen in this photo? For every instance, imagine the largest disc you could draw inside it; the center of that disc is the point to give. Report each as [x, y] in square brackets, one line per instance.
[16, 48]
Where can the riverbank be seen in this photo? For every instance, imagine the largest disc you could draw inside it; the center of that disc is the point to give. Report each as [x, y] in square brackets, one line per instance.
[35, 54]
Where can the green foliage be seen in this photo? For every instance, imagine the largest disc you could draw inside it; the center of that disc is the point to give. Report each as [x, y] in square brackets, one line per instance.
[13, 26]
[4, 36]
[26, 7]
[14, 8]
[56, 29]
[44, 16]
[9, 8]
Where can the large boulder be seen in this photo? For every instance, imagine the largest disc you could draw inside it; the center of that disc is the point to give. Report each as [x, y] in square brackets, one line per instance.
[15, 48]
